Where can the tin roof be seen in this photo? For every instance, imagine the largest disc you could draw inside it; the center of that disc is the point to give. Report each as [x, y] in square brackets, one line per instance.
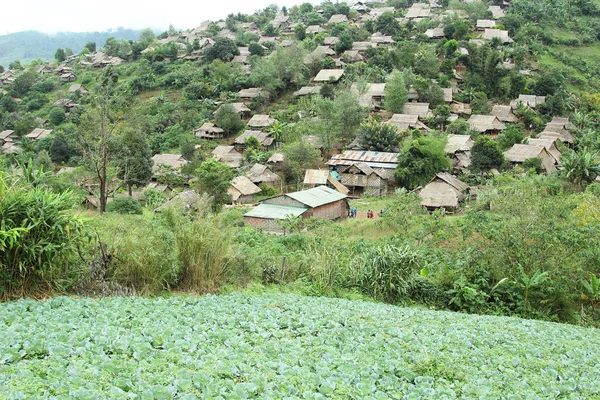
[372, 158]
[274, 211]
[316, 197]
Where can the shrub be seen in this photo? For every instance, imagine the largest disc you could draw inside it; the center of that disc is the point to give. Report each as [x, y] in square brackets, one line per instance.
[124, 205]
[39, 239]
[140, 254]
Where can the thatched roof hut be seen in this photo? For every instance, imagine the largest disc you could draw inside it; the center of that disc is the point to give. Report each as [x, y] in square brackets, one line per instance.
[444, 191]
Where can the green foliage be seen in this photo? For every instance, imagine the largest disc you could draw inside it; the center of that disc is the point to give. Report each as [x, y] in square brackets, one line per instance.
[580, 167]
[298, 158]
[59, 55]
[256, 49]
[124, 205]
[486, 155]
[405, 347]
[56, 116]
[420, 160]
[510, 136]
[396, 94]
[139, 253]
[534, 164]
[377, 136]
[214, 178]
[39, 239]
[153, 198]
[344, 43]
[223, 49]
[300, 32]
[228, 119]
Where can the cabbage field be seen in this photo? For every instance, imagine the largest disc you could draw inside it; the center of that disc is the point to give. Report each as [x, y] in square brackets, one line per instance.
[284, 346]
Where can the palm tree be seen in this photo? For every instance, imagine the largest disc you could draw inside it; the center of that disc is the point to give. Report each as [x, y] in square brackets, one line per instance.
[277, 130]
[581, 167]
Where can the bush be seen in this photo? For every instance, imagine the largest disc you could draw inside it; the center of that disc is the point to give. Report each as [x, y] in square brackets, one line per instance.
[124, 205]
[39, 239]
[141, 254]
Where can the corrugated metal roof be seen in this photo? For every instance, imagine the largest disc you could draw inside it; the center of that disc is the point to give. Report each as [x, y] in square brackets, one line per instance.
[373, 159]
[274, 211]
[318, 196]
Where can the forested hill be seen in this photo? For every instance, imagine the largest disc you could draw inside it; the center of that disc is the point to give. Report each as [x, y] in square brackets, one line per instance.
[29, 45]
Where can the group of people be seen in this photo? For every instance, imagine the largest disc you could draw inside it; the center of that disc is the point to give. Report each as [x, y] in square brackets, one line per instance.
[370, 213]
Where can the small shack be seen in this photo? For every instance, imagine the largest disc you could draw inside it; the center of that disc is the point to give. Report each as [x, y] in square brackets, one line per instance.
[209, 131]
[458, 148]
[329, 75]
[242, 190]
[504, 113]
[319, 202]
[362, 180]
[486, 124]
[260, 174]
[228, 156]
[444, 191]
[263, 138]
[261, 121]
[519, 153]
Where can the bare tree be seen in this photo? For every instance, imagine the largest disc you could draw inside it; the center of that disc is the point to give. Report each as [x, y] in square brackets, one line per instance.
[101, 123]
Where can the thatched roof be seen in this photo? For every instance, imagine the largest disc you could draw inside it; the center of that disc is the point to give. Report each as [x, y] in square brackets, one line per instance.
[263, 138]
[275, 158]
[240, 107]
[173, 160]
[208, 130]
[435, 33]
[352, 56]
[338, 18]
[261, 121]
[420, 109]
[260, 173]
[307, 90]
[327, 75]
[563, 137]
[187, 199]
[549, 144]
[331, 40]
[528, 100]
[417, 10]
[314, 29]
[381, 39]
[252, 93]
[362, 46]
[485, 23]
[228, 156]
[443, 191]
[460, 108]
[504, 113]
[38, 134]
[242, 186]
[497, 12]
[562, 121]
[490, 34]
[405, 122]
[485, 123]
[521, 152]
[458, 143]
[448, 95]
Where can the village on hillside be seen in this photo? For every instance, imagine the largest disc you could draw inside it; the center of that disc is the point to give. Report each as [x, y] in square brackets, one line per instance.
[438, 74]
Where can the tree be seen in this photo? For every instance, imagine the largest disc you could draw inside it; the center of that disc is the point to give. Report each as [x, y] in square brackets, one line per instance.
[513, 134]
[396, 94]
[90, 46]
[299, 157]
[344, 43]
[133, 158]
[271, 31]
[256, 49]
[56, 116]
[441, 114]
[387, 24]
[59, 55]
[300, 32]
[124, 205]
[420, 160]
[100, 125]
[427, 63]
[377, 136]
[214, 178]
[485, 155]
[580, 167]
[228, 119]
[223, 49]
[147, 36]
[480, 104]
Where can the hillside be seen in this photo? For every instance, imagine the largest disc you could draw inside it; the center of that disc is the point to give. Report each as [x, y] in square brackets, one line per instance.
[283, 346]
[31, 45]
[183, 161]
